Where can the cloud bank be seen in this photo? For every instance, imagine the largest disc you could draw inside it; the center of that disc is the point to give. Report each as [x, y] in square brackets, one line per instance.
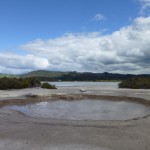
[124, 51]
[15, 64]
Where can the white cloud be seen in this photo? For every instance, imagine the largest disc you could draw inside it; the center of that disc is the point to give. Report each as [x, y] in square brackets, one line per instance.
[145, 5]
[124, 51]
[12, 63]
[98, 17]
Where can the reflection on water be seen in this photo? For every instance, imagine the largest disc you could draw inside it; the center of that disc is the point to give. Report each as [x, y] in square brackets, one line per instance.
[86, 84]
[84, 110]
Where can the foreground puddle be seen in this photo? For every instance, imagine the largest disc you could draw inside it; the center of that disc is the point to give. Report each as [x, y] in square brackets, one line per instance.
[84, 110]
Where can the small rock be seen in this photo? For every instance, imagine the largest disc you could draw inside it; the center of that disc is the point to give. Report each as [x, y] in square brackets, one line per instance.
[82, 90]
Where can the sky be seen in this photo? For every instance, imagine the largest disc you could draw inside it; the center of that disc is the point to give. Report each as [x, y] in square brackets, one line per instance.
[75, 35]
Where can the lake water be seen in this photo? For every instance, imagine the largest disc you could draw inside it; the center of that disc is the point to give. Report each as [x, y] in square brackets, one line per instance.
[84, 110]
[86, 84]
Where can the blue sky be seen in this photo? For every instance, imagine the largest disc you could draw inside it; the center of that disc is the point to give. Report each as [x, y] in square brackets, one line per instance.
[31, 29]
[25, 20]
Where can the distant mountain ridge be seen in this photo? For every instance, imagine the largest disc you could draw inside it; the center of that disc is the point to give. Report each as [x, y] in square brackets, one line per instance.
[45, 75]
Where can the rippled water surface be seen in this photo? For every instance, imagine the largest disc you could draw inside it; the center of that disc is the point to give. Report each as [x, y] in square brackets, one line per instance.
[84, 110]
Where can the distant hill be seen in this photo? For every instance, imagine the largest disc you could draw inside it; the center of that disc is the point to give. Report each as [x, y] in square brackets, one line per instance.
[44, 75]
[9, 75]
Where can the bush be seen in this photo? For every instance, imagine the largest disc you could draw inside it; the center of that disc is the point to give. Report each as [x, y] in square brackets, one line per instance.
[33, 82]
[18, 83]
[136, 83]
[48, 86]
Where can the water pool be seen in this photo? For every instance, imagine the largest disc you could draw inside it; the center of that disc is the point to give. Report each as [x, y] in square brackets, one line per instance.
[84, 110]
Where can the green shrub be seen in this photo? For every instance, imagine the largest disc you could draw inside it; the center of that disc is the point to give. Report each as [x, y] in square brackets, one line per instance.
[136, 83]
[18, 83]
[48, 86]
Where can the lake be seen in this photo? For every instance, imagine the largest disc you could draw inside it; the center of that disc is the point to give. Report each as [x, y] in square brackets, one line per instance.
[86, 84]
